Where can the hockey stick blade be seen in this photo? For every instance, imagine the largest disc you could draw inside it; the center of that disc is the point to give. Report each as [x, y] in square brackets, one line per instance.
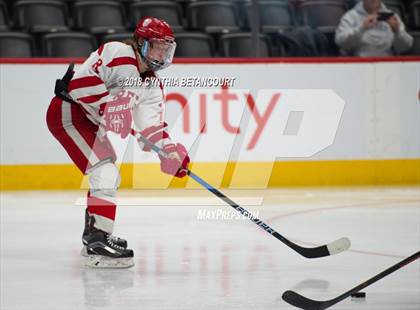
[303, 302]
[335, 247]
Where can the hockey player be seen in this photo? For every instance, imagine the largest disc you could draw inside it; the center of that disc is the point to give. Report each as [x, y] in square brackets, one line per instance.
[95, 103]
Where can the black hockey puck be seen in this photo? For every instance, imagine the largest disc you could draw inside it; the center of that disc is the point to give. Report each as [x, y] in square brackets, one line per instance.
[359, 295]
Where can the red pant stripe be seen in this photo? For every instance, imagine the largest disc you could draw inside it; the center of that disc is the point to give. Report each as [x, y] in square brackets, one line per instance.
[101, 207]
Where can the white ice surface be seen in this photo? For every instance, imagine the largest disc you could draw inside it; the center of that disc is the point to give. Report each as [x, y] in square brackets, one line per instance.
[185, 263]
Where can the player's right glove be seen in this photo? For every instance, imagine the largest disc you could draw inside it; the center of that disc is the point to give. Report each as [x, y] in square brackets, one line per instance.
[116, 114]
[177, 160]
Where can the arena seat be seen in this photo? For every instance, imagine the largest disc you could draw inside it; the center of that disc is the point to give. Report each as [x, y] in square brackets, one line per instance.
[4, 19]
[415, 14]
[166, 10]
[415, 49]
[99, 17]
[194, 45]
[242, 45]
[213, 16]
[16, 44]
[318, 13]
[71, 44]
[274, 15]
[41, 15]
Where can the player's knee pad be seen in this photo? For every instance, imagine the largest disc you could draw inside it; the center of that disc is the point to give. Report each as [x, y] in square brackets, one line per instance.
[104, 180]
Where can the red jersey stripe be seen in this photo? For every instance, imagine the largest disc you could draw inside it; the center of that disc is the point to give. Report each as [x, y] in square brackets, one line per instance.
[156, 138]
[100, 49]
[152, 129]
[93, 98]
[86, 81]
[121, 61]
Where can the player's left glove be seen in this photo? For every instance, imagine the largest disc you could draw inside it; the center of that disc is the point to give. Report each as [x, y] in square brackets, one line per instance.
[177, 160]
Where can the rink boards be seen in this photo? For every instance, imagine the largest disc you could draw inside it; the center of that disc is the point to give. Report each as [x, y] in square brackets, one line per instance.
[280, 123]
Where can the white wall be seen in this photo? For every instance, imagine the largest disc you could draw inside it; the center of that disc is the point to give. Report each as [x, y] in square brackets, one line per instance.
[377, 105]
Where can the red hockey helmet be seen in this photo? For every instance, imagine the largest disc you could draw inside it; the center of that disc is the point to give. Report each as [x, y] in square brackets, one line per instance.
[156, 42]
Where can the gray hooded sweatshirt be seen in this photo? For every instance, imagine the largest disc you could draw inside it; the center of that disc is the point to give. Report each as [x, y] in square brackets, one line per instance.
[379, 40]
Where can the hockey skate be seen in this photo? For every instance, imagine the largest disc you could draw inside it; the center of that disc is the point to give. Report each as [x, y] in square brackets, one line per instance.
[118, 241]
[102, 251]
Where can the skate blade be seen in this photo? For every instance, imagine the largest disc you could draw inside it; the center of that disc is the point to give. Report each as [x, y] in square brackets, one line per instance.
[99, 261]
[84, 252]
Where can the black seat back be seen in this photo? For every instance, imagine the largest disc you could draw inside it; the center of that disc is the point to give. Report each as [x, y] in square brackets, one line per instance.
[98, 16]
[316, 13]
[242, 45]
[166, 10]
[415, 14]
[194, 45]
[40, 15]
[70, 44]
[415, 49]
[272, 14]
[4, 20]
[15, 44]
[203, 15]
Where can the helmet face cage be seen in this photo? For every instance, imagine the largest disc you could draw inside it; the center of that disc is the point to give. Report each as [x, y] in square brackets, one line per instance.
[157, 53]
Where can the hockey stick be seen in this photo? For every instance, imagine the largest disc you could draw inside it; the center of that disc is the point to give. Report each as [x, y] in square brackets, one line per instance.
[332, 248]
[302, 302]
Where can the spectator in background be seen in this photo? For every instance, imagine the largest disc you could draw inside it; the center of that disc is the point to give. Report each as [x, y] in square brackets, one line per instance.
[364, 32]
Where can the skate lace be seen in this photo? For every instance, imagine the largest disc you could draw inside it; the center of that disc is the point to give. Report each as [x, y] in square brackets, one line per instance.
[114, 238]
[111, 239]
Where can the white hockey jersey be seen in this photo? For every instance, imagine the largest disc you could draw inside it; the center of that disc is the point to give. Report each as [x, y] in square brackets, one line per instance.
[104, 73]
